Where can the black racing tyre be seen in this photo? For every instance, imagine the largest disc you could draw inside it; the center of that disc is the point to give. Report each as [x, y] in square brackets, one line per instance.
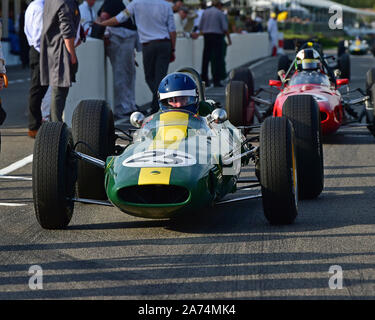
[245, 75]
[197, 78]
[93, 124]
[341, 48]
[278, 171]
[344, 66]
[284, 63]
[370, 79]
[54, 175]
[303, 112]
[236, 101]
[371, 113]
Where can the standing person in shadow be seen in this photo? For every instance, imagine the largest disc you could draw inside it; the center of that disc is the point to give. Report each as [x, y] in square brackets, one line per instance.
[58, 59]
[214, 26]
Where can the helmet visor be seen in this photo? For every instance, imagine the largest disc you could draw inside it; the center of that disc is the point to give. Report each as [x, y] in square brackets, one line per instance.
[309, 64]
[179, 102]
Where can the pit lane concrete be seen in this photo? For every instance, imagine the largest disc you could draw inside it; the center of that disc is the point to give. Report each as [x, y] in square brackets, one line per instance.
[228, 252]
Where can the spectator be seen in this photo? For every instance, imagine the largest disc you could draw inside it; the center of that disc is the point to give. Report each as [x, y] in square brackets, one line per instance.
[258, 24]
[33, 30]
[175, 4]
[24, 45]
[157, 34]
[13, 35]
[199, 12]
[88, 15]
[123, 40]
[241, 24]
[273, 33]
[2, 72]
[2, 61]
[180, 20]
[58, 59]
[214, 26]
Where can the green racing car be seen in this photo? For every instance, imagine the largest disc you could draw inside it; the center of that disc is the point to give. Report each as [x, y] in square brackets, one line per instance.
[183, 158]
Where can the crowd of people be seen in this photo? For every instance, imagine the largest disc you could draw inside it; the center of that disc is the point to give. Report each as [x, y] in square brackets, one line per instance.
[55, 28]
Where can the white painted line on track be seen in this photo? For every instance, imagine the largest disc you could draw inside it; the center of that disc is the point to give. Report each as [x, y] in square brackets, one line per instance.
[12, 204]
[16, 178]
[18, 81]
[17, 165]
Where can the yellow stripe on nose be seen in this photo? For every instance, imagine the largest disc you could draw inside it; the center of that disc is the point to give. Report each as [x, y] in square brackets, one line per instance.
[169, 136]
[154, 176]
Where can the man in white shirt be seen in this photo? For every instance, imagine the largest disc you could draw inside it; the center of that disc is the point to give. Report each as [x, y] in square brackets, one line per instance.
[88, 15]
[33, 31]
[157, 34]
[123, 40]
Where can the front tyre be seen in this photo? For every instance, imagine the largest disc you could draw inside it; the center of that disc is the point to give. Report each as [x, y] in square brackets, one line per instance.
[278, 171]
[54, 175]
[344, 66]
[94, 133]
[303, 112]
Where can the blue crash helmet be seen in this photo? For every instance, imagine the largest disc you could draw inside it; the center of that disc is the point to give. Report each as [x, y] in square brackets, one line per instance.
[178, 91]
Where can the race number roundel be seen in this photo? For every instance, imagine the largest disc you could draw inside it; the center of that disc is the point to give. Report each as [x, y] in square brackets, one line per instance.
[160, 158]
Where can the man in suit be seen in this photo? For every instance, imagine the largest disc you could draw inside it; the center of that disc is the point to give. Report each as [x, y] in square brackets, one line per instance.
[58, 59]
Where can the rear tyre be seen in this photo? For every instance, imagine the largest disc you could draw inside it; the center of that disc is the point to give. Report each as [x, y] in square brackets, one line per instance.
[236, 102]
[370, 79]
[278, 171]
[303, 112]
[245, 75]
[341, 48]
[284, 63]
[370, 112]
[93, 125]
[344, 66]
[54, 174]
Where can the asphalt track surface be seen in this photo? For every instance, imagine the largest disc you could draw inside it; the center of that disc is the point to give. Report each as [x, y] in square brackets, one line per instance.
[229, 252]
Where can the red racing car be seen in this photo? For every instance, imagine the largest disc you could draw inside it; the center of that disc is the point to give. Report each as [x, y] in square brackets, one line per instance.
[310, 75]
[310, 98]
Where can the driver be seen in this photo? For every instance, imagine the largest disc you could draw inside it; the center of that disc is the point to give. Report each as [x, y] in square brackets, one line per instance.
[178, 91]
[308, 60]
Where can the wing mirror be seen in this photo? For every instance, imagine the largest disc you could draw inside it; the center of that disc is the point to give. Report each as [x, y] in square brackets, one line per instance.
[275, 83]
[341, 82]
[219, 115]
[136, 119]
[281, 74]
[337, 73]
